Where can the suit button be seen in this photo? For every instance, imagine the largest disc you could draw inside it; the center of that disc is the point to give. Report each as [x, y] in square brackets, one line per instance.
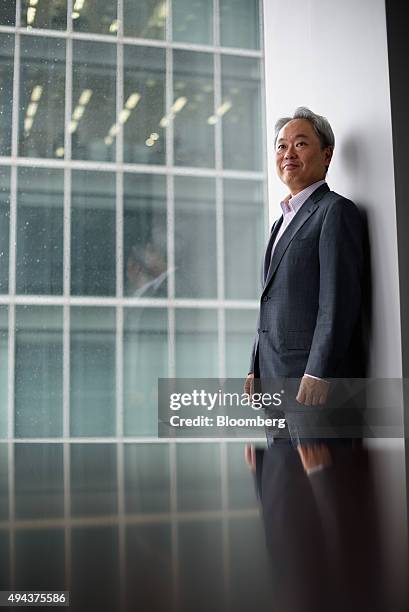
[264, 331]
[258, 330]
[265, 298]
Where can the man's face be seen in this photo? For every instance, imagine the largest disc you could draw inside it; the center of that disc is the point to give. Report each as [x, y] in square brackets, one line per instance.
[300, 161]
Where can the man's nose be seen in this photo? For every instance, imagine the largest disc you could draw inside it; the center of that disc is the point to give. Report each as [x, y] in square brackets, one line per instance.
[290, 152]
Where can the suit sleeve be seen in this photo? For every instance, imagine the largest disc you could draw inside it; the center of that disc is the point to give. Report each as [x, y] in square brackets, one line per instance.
[341, 264]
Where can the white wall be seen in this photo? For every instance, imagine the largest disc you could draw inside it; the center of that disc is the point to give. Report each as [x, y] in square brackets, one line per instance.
[332, 57]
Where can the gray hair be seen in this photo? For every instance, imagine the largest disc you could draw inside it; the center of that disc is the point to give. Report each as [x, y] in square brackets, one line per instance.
[320, 124]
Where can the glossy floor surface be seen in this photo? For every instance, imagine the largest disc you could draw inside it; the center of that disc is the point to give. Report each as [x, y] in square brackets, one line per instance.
[133, 526]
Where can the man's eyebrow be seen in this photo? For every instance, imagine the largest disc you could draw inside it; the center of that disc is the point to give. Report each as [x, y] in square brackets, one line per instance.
[296, 136]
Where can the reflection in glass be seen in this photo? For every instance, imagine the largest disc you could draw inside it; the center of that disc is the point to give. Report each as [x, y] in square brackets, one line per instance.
[93, 479]
[241, 481]
[38, 371]
[95, 16]
[4, 228]
[244, 237]
[39, 265]
[39, 480]
[241, 326]
[4, 509]
[51, 15]
[95, 569]
[93, 125]
[145, 360]
[149, 564]
[93, 233]
[145, 18]
[6, 91]
[144, 105]
[193, 109]
[3, 370]
[40, 560]
[147, 485]
[199, 479]
[195, 238]
[193, 21]
[8, 12]
[145, 241]
[42, 84]
[242, 136]
[240, 23]
[92, 383]
[4, 561]
[196, 343]
[201, 554]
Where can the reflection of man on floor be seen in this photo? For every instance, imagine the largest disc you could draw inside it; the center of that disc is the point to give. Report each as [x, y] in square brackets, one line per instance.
[308, 330]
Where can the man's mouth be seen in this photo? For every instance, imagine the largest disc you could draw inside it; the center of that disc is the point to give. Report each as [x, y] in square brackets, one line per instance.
[290, 166]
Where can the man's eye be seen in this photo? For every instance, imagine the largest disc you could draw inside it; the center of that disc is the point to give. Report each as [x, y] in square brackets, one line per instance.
[301, 143]
[280, 147]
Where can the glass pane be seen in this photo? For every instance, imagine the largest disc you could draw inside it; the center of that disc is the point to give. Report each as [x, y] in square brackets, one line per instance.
[6, 91]
[93, 233]
[92, 372]
[241, 480]
[39, 481]
[145, 360]
[242, 135]
[40, 560]
[198, 477]
[38, 373]
[93, 479]
[240, 23]
[95, 16]
[8, 12]
[196, 344]
[40, 210]
[241, 326]
[3, 370]
[95, 569]
[149, 576]
[4, 228]
[51, 15]
[42, 85]
[93, 101]
[145, 18]
[193, 21]
[201, 554]
[145, 240]
[147, 486]
[193, 108]
[5, 579]
[144, 105]
[195, 237]
[244, 238]
[4, 507]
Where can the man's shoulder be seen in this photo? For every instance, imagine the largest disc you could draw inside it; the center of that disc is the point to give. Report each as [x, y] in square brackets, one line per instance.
[334, 201]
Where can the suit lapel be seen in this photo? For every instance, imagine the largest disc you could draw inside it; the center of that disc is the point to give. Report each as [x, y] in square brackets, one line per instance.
[305, 212]
[267, 256]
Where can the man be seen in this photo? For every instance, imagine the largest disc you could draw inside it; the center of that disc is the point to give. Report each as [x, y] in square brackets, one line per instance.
[311, 298]
[314, 492]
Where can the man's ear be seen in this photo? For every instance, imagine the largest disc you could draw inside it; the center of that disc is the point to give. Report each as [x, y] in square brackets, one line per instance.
[328, 155]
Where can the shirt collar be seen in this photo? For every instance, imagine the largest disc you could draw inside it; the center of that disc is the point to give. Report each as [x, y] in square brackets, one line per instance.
[294, 203]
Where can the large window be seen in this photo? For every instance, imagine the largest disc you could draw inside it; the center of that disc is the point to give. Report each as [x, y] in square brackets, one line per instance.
[132, 222]
[132, 206]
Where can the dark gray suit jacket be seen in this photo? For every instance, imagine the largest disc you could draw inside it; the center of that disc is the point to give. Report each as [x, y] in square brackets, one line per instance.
[311, 298]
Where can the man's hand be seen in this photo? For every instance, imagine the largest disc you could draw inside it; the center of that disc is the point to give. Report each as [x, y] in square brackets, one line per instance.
[249, 384]
[312, 391]
[313, 457]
